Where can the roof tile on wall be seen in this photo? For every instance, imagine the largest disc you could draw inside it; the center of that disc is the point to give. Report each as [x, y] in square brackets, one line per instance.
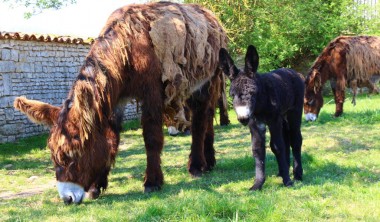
[45, 38]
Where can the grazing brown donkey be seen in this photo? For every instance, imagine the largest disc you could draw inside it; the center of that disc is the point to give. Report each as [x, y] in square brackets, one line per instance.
[160, 53]
[346, 61]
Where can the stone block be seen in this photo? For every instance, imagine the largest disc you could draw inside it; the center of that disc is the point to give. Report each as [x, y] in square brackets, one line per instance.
[7, 84]
[6, 54]
[7, 66]
[14, 55]
[9, 114]
[11, 129]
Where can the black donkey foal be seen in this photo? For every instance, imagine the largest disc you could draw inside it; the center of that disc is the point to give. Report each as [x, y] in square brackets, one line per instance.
[274, 99]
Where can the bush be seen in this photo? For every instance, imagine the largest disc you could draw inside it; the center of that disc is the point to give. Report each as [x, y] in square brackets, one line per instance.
[290, 32]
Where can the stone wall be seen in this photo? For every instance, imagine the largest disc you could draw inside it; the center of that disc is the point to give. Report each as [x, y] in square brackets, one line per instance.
[39, 70]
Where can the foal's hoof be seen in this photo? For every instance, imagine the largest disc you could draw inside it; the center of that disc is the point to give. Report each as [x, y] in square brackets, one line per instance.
[296, 177]
[256, 187]
[289, 183]
[150, 189]
[93, 193]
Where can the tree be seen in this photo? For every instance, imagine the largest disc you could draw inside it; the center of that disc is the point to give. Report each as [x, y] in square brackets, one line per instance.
[37, 6]
[290, 32]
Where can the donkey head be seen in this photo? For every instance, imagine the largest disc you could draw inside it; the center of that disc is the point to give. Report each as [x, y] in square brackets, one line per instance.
[313, 100]
[244, 87]
[83, 147]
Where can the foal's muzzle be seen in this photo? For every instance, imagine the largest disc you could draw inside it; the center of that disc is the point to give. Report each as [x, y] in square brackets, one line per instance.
[244, 121]
[243, 114]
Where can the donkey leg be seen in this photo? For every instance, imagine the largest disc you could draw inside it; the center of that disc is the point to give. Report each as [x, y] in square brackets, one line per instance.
[151, 120]
[209, 151]
[197, 161]
[223, 111]
[202, 113]
[278, 147]
[354, 87]
[258, 149]
[296, 142]
[100, 184]
[339, 96]
[214, 94]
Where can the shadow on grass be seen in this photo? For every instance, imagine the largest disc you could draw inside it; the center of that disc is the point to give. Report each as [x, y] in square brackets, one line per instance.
[233, 170]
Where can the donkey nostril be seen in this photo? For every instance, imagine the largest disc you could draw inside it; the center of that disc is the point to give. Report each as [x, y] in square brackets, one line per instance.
[68, 200]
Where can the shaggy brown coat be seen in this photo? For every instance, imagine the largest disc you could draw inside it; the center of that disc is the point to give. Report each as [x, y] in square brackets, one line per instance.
[160, 53]
[346, 61]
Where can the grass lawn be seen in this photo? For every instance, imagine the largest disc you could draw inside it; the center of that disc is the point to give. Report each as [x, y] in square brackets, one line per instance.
[341, 158]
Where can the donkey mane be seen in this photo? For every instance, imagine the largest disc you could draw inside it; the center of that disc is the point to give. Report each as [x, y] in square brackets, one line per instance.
[110, 56]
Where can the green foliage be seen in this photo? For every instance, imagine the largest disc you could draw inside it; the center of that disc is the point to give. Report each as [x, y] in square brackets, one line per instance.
[37, 6]
[341, 159]
[286, 32]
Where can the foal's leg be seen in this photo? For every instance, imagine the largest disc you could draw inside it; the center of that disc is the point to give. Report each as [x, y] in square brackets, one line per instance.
[295, 136]
[278, 147]
[151, 120]
[257, 130]
[285, 133]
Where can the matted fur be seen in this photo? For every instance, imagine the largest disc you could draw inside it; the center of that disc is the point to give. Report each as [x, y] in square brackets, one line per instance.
[347, 61]
[159, 53]
[363, 57]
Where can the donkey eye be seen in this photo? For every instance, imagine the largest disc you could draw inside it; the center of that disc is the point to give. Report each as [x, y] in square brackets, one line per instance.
[76, 137]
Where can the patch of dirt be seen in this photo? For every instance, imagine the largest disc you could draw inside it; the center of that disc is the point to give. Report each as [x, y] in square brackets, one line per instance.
[8, 195]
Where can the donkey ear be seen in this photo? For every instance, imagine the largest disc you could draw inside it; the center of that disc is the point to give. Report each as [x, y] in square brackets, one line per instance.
[227, 64]
[38, 112]
[251, 60]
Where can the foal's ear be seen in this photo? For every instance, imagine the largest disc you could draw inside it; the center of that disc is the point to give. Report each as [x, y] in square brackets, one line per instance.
[227, 64]
[38, 112]
[251, 61]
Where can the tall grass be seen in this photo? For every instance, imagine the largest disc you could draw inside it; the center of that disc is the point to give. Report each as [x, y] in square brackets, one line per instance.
[341, 158]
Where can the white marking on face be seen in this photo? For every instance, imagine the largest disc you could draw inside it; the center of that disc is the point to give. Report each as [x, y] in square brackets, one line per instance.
[67, 189]
[310, 117]
[172, 131]
[242, 112]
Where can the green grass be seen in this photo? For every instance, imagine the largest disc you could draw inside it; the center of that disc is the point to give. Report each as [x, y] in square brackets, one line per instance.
[341, 158]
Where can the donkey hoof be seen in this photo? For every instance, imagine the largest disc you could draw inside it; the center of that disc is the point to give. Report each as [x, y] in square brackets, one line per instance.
[150, 189]
[195, 173]
[93, 193]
